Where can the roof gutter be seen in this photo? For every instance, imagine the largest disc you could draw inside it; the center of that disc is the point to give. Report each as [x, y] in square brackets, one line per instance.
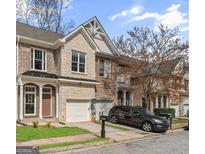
[78, 82]
[36, 42]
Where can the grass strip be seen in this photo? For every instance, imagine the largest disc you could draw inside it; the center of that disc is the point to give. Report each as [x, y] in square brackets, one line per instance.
[179, 120]
[67, 144]
[26, 133]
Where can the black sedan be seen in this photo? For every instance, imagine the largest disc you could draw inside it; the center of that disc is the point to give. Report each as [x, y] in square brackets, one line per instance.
[138, 116]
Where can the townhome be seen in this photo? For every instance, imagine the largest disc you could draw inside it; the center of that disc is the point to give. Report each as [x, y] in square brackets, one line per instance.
[56, 75]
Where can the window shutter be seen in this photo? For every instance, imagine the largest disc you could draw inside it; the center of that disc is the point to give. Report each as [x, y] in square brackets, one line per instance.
[45, 60]
[32, 58]
[107, 68]
[110, 69]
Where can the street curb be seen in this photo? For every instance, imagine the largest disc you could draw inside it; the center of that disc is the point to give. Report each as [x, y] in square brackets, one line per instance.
[75, 147]
[107, 143]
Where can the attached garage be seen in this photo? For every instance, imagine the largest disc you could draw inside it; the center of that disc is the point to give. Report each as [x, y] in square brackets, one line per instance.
[78, 111]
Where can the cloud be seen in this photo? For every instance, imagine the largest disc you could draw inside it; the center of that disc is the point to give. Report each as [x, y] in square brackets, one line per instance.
[145, 16]
[132, 11]
[67, 4]
[172, 17]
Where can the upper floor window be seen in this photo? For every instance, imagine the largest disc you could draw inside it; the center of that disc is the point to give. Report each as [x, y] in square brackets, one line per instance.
[38, 59]
[105, 68]
[78, 62]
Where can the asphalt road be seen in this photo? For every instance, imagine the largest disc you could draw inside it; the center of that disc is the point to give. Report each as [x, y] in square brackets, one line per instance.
[176, 143]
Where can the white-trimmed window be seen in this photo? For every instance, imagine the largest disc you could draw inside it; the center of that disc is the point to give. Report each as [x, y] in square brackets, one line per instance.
[78, 62]
[30, 100]
[38, 59]
[105, 68]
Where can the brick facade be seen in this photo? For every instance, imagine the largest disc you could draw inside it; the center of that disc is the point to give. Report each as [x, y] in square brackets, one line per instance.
[24, 60]
[80, 44]
[106, 90]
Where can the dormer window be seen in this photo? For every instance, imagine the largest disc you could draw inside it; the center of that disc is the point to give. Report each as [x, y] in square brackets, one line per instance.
[38, 59]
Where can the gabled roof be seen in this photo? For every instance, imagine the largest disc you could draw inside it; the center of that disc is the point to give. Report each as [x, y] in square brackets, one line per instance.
[92, 30]
[36, 33]
[100, 37]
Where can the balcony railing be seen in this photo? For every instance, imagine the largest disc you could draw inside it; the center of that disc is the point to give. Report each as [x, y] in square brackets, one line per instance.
[122, 79]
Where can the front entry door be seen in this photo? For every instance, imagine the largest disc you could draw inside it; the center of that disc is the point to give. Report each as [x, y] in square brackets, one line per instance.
[46, 102]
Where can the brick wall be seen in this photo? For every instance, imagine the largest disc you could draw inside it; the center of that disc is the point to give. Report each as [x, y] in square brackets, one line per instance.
[24, 60]
[78, 43]
[106, 90]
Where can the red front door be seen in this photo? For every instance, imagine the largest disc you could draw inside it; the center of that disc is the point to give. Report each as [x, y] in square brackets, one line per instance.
[46, 105]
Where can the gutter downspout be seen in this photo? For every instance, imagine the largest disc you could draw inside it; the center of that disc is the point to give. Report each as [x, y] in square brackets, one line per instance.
[59, 99]
[17, 97]
[17, 54]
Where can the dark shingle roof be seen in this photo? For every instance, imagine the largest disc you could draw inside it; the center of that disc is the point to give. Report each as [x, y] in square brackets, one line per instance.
[36, 33]
[40, 74]
[53, 76]
[163, 68]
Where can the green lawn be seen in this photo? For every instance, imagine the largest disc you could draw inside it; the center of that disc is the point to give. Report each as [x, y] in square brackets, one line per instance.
[114, 126]
[26, 133]
[179, 120]
[67, 144]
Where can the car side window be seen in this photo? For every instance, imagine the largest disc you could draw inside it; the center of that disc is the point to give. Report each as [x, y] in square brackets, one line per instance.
[121, 110]
[135, 111]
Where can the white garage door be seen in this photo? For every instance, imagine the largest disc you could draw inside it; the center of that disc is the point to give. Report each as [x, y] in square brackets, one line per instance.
[78, 111]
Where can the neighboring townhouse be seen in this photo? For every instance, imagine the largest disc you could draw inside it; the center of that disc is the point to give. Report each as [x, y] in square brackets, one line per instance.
[114, 87]
[182, 104]
[170, 87]
[56, 75]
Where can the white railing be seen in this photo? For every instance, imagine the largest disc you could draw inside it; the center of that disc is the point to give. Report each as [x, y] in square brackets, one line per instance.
[123, 79]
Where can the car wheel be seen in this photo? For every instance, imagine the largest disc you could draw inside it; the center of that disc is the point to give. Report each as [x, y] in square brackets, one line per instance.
[113, 119]
[147, 126]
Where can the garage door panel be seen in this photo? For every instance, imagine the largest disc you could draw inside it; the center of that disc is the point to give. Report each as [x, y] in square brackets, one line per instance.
[78, 111]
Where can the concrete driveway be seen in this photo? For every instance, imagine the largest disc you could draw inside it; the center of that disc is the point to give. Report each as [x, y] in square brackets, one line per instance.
[112, 133]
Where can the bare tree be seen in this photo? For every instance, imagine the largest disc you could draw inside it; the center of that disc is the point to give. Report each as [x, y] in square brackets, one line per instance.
[156, 54]
[45, 14]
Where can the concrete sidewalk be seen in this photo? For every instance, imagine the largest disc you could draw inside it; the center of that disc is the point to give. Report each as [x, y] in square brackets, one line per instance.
[112, 133]
[56, 140]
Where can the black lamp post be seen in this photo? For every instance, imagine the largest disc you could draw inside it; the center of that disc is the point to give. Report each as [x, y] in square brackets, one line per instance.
[103, 119]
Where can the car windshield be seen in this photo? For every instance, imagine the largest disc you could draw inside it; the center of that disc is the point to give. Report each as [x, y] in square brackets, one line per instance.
[144, 111]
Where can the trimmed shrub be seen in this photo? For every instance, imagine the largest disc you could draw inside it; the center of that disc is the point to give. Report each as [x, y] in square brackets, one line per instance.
[164, 112]
[48, 125]
[35, 124]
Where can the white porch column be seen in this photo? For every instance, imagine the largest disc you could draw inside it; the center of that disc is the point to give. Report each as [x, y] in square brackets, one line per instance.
[40, 101]
[132, 98]
[16, 102]
[57, 91]
[167, 102]
[157, 103]
[162, 99]
[21, 103]
[124, 97]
